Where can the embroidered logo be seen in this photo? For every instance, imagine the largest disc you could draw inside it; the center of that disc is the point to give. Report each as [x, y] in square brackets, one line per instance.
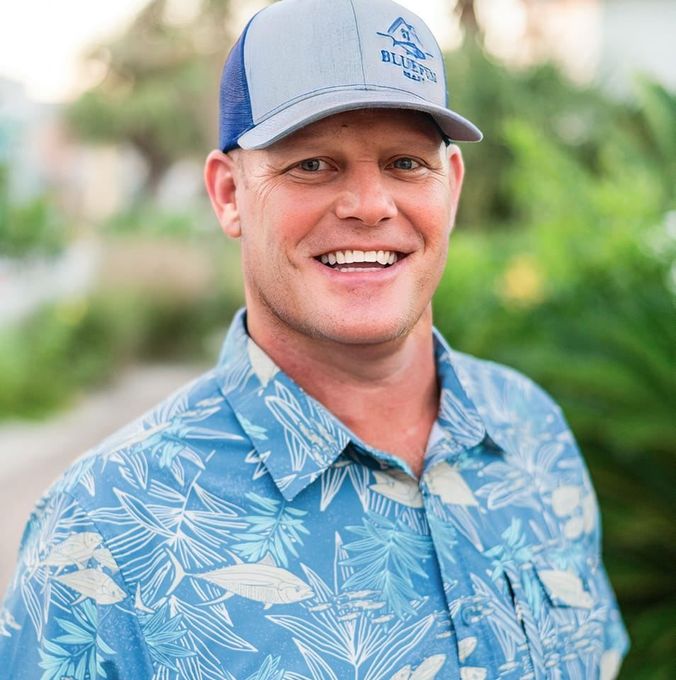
[407, 52]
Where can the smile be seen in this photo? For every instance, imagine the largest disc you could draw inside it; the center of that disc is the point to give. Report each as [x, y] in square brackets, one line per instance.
[359, 260]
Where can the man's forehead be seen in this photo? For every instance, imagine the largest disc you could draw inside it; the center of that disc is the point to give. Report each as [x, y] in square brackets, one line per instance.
[390, 123]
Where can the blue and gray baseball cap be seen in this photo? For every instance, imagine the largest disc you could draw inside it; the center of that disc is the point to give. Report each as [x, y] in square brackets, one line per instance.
[298, 61]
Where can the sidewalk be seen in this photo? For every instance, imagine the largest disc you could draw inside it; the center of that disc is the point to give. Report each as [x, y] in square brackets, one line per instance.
[32, 455]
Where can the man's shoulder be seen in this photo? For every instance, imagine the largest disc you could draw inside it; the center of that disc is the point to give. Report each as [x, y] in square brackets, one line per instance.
[168, 442]
[492, 386]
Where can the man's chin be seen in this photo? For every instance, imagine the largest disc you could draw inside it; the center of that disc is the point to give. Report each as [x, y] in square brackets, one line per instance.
[371, 331]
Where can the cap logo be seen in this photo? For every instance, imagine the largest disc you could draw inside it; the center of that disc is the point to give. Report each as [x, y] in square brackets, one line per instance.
[407, 52]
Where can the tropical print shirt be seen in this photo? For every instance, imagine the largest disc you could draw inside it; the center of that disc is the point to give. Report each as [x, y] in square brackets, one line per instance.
[239, 531]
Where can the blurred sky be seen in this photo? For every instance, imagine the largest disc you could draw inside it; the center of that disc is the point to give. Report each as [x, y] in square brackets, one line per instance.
[40, 40]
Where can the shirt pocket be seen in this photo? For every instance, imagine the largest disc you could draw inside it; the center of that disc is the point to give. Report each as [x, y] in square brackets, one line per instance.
[573, 615]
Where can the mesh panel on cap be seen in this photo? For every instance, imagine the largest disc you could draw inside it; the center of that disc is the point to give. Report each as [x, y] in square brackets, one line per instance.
[235, 118]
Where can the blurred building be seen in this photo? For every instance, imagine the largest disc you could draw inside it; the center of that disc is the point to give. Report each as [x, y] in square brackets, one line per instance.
[602, 41]
[24, 125]
[638, 37]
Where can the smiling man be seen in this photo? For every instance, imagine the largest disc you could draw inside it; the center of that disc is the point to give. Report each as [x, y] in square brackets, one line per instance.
[343, 496]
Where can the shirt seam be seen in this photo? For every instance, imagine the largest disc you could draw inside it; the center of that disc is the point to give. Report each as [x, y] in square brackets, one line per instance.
[361, 53]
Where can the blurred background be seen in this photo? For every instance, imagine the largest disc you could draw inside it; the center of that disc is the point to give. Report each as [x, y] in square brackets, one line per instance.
[116, 284]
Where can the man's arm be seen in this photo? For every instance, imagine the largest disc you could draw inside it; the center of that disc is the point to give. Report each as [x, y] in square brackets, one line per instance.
[68, 612]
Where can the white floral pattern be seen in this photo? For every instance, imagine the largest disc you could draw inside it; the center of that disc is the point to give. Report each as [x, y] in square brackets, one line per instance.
[240, 532]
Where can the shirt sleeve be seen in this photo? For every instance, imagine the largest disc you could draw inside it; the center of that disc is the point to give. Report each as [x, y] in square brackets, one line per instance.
[67, 613]
[585, 518]
[569, 500]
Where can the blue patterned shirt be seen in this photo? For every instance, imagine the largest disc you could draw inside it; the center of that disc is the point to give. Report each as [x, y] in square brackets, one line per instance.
[239, 531]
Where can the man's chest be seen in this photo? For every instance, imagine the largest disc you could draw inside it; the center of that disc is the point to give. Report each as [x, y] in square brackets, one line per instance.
[478, 571]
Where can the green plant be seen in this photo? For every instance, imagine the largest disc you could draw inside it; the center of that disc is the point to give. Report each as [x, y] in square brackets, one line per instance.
[540, 96]
[47, 360]
[581, 298]
[31, 228]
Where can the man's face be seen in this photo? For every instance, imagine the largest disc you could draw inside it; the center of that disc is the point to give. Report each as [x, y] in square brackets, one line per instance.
[316, 208]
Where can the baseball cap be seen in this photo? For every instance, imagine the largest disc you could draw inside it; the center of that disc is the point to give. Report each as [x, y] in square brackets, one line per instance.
[298, 61]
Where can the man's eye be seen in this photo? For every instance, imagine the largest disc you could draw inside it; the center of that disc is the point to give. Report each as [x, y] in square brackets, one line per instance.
[312, 165]
[406, 163]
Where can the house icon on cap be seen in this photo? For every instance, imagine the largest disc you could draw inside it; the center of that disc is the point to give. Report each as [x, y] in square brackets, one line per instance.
[404, 35]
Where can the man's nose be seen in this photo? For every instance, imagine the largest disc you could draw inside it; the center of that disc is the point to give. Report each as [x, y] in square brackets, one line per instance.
[366, 196]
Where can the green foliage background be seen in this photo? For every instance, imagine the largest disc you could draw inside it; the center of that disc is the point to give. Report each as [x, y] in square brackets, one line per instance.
[566, 272]
[561, 265]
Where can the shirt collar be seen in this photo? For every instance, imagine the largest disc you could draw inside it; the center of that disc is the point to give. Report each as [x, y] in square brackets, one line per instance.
[297, 438]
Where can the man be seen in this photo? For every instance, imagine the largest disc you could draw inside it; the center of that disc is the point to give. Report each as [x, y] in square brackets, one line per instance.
[343, 496]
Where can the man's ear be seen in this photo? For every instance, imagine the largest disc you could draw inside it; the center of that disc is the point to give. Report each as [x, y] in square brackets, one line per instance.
[220, 178]
[456, 175]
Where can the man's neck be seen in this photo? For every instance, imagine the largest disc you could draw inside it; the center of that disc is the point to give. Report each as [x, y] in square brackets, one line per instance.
[386, 394]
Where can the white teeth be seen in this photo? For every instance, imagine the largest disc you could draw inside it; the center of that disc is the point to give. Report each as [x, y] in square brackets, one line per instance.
[382, 257]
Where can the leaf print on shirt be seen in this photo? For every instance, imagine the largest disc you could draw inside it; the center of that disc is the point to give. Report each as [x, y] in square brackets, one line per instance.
[513, 552]
[368, 651]
[384, 558]
[332, 481]
[273, 529]
[170, 434]
[195, 524]
[162, 632]
[467, 427]
[75, 653]
[254, 431]
[523, 476]
[269, 670]
[501, 618]
[52, 523]
[207, 631]
[309, 432]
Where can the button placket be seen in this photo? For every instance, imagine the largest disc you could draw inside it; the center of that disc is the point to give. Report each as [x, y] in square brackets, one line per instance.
[475, 609]
[467, 610]
[534, 654]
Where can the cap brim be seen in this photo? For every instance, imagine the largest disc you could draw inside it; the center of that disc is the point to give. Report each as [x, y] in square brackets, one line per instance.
[322, 105]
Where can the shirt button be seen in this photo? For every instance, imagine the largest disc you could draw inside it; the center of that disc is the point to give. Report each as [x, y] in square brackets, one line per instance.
[470, 614]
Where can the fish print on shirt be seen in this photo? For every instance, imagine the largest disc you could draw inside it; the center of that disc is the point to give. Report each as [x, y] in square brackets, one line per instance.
[77, 549]
[399, 487]
[93, 583]
[239, 531]
[260, 582]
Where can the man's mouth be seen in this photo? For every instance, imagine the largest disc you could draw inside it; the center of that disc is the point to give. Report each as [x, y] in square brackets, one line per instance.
[359, 260]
